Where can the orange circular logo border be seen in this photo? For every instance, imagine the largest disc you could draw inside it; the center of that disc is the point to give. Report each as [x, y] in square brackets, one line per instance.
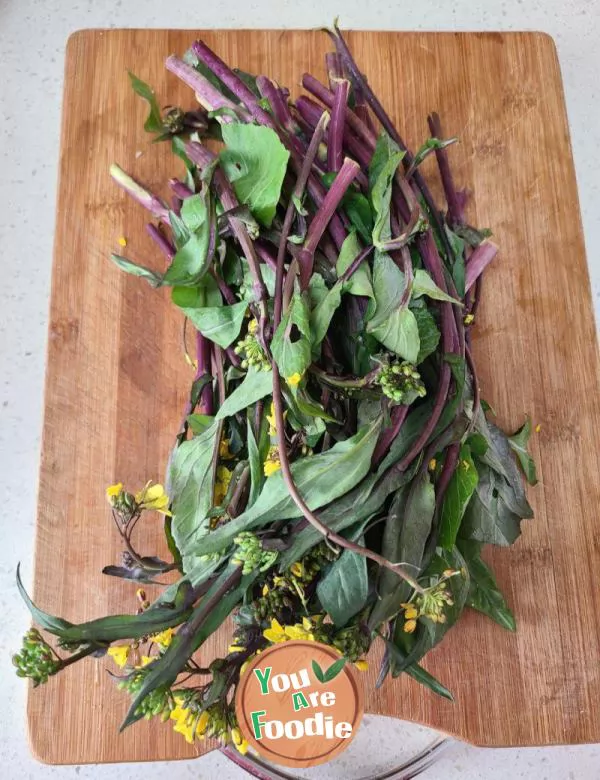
[263, 748]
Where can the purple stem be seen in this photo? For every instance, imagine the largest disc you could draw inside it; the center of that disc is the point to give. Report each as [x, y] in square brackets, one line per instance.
[164, 244]
[269, 90]
[180, 189]
[203, 157]
[356, 263]
[335, 137]
[398, 415]
[176, 205]
[264, 253]
[224, 288]
[455, 203]
[433, 264]
[480, 258]
[343, 180]
[208, 96]
[233, 82]
[139, 193]
[311, 112]
[320, 91]
[335, 72]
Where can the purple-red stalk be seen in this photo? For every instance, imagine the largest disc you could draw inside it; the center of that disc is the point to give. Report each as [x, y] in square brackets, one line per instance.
[455, 203]
[180, 189]
[480, 258]
[338, 189]
[208, 96]
[335, 135]
[387, 436]
[163, 243]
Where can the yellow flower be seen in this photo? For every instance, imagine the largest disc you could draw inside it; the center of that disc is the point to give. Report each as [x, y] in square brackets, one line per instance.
[122, 241]
[145, 660]
[411, 613]
[276, 633]
[272, 463]
[469, 319]
[297, 569]
[239, 741]
[119, 654]
[164, 638]
[185, 727]
[271, 419]
[153, 497]
[432, 464]
[222, 484]
[410, 626]
[362, 665]
[247, 663]
[252, 326]
[202, 724]
[265, 589]
[235, 648]
[294, 380]
[224, 451]
[538, 428]
[113, 492]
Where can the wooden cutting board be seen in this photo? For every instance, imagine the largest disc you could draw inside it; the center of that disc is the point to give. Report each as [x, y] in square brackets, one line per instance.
[116, 378]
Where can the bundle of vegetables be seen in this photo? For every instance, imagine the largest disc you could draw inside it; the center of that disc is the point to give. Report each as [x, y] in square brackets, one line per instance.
[335, 476]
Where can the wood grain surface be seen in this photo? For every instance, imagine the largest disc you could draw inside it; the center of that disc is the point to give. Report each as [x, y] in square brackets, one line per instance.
[116, 378]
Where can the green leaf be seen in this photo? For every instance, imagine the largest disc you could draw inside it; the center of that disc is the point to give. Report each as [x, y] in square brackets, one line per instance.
[318, 672]
[389, 586]
[429, 334]
[500, 458]
[206, 293]
[408, 434]
[256, 466]
[471, 235]
[181, 235]
[190, 262]
[360, 281]
[320, 479]
[191, 493]
[153, 123]
[423, 677]
[394, 326]
[418, 517]
[220, 324]
[459, 590]
[322, 314]
[153, 278]
[255, 162]
[333, 671]
[256, 385]
[484, 594]
[487, 518]
[478, 444]
[386, 159]
[430, 145]
[423, 284]
[457, 262]
[358, 209]
[400, 334]
[518, 442]
[164, 671]
[109, 629]
[361, 503]
[194, 212]
[199, 423]
[458, 494]
[344, 589]
[291, 345]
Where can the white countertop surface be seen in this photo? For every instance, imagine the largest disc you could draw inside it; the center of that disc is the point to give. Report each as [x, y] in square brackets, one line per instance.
[32, 42]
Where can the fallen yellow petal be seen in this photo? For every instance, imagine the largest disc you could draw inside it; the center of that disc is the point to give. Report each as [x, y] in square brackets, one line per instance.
[122, 241]
[362, 665]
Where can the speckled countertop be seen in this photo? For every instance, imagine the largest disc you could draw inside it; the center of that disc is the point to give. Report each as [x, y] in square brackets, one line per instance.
[32, 41]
